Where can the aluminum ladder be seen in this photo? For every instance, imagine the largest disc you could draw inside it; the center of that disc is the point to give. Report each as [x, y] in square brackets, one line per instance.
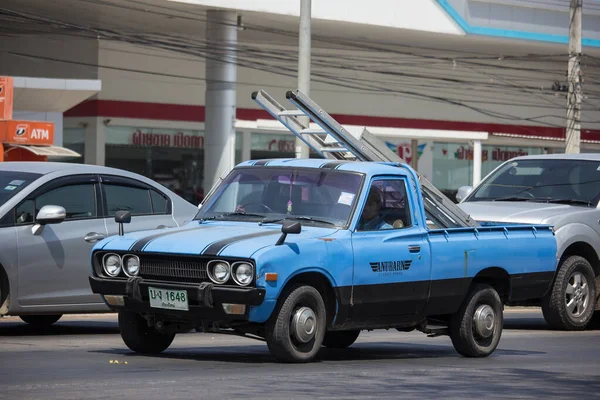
[333, 141]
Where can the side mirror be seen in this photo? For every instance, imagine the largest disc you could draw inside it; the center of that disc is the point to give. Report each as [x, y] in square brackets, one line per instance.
[122, 217]
[463, 192]
[287, 228]
[48, 215]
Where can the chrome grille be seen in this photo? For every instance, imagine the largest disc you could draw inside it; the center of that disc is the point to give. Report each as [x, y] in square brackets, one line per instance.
[173, 268]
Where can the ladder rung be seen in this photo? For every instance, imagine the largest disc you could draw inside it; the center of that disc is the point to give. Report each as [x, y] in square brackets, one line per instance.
[334, 149]
[312, 132]
[290, 113]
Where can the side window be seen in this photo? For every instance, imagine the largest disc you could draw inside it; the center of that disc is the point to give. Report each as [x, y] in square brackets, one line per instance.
[386, 206]
[127, 198]
[159, 203]
[78, 200]
[24, 212]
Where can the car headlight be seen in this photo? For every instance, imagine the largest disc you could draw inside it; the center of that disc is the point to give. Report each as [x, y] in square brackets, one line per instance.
[111, 263]
[243, 273]
[131, 265]
[219, 271]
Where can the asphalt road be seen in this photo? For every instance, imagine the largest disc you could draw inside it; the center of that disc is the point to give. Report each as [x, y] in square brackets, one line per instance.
[77, 359]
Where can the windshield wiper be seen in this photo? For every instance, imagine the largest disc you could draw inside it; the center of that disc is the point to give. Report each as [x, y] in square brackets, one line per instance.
[229, 214]
[568, 201]
[301, 217]
[514, 198]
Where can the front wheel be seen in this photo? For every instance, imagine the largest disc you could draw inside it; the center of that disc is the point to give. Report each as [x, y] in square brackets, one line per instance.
[296, 329]
[141, 338]
[476, 328]
[571, 302]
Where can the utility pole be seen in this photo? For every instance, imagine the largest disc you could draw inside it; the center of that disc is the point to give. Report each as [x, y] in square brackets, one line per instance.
[573, 130]
[304, 67]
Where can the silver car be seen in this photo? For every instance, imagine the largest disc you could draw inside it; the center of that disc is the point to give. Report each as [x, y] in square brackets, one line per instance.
[51, 214]
[562, 190]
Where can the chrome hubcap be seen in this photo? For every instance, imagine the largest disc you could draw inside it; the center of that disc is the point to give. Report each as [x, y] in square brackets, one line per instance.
[304, 324]
[484, 320]
[577, 296]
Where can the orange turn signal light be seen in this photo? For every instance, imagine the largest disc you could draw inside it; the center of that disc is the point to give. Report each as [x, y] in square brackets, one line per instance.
[271, 276]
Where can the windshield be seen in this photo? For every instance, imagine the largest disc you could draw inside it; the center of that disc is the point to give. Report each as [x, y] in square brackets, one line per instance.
[315, 196]
[543, 180]
[12, 182]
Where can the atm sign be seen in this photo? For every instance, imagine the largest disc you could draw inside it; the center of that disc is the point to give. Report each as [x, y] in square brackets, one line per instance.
[27, 132]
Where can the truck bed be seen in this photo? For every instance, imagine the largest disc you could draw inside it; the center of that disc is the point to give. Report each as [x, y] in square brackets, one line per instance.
[525, 254]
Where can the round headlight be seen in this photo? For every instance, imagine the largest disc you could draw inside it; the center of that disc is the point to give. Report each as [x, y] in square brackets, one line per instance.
[243, 274]
[219, 271]
[111, 264]
[132, 265]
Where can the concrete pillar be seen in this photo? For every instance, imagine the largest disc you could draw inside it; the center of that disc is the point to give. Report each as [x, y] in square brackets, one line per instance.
[220, 103]
[246, 146]
[476, 162]
[95, 142]
[414, 151]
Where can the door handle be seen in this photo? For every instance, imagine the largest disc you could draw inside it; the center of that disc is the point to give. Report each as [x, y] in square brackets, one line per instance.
[94, 237]
[414, 248]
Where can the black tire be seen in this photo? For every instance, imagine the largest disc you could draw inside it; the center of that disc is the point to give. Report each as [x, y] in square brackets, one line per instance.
[282, 343]
[340, 339]
[463, 333]
[141, 338]
[554, 304]
[40, 320]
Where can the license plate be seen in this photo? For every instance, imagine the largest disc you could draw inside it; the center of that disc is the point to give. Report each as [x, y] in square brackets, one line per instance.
[168, 299]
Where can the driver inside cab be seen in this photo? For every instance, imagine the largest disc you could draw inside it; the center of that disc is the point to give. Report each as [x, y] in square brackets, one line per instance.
[371, 218]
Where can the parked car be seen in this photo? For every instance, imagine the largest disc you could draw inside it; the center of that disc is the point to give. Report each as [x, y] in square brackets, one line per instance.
[562, 190]
[285, 251]
[51, 215]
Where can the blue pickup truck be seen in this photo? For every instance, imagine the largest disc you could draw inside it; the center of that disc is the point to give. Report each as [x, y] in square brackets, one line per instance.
[305, 253]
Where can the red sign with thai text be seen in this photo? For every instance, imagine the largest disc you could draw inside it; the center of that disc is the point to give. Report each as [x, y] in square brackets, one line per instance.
[180, 140]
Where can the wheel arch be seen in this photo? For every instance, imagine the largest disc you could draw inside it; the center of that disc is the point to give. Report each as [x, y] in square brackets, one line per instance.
[321, 281]
[496, 277]
[585, 250]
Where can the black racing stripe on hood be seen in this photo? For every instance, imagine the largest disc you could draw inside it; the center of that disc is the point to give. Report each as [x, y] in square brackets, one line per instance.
[141, 243]
[214, 248]
[263, 162]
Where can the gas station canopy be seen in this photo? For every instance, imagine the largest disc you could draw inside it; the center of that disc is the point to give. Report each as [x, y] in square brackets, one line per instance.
[51, 95]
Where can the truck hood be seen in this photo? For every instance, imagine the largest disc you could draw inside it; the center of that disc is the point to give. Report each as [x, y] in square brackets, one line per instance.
[223, 238]
[516, 212]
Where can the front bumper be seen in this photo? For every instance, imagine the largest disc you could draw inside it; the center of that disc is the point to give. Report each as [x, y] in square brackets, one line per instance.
[205, 300]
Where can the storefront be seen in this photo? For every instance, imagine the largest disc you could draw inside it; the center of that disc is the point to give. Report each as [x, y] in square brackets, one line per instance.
[175, 156]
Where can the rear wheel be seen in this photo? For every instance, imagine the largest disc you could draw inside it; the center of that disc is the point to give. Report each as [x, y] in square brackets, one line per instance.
[141, 338]
[476, 328]
[296, 329]
[40, 320]
[340, 339]
[571, 302]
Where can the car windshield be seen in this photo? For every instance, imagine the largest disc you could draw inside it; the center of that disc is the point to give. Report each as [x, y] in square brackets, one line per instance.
[543, 180]
[12, 182]
[272, 194]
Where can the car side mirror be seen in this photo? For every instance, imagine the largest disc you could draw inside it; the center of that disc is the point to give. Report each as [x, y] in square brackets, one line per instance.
[48, 215]
[287, 228]
[463, 192]
[122, 217]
